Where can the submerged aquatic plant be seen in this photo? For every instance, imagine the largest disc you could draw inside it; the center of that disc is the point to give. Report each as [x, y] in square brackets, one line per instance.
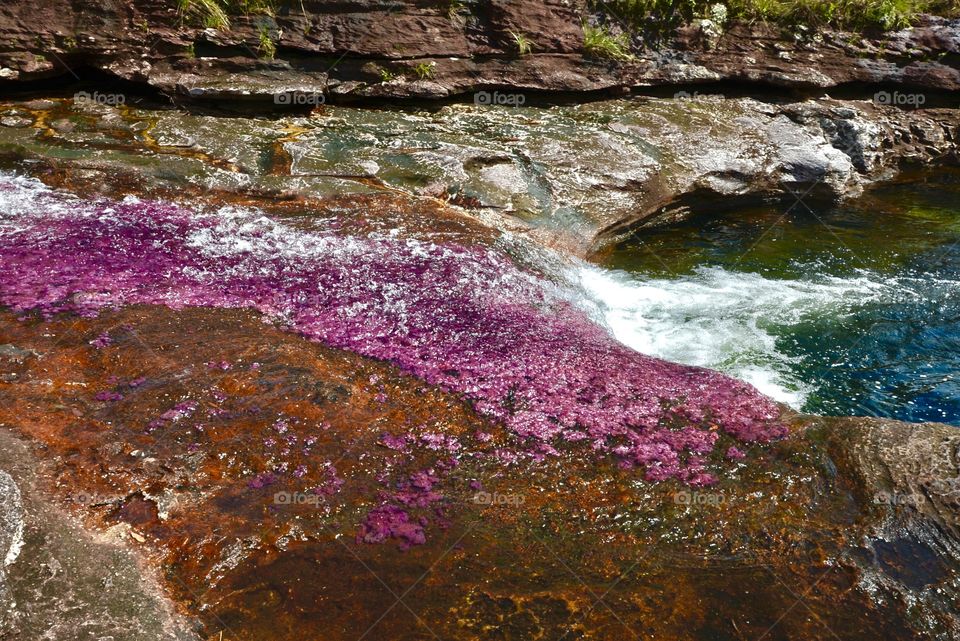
[465, 319]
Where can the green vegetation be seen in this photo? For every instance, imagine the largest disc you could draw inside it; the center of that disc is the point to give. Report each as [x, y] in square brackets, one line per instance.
[600, 43]
[523, 43]
[250, 7]
[266, 46]
[424, 70]
[659, 15]
[209, 13]
[386, 75]
[215, 14]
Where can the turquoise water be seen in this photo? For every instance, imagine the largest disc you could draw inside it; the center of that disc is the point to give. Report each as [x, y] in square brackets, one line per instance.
[839, 310]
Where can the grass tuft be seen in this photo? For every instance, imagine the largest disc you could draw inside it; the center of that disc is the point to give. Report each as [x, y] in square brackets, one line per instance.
[209, 13]
[424, 70]
[216, 14]
[600, 43]
[266, 46]
[523, 44]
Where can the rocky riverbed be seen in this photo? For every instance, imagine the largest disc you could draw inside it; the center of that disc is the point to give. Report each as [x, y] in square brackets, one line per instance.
[339, 367]
[577, 178]
[284, 484]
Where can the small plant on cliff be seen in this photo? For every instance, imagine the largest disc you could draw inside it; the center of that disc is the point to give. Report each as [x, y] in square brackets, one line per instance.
[209, 13]
[424, 70]
[265, 45]
[249, 7]
[600, 43]
[386, 75]
[524, 44]
[661, 17]
[457, 11]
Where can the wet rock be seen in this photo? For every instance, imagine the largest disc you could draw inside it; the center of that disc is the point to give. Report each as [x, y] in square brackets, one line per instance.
[15, 121]
[577, 178]
[586, 177]
[137, 511]
[63, 126]
[14, 353]
[39, 105]
[11, 520]
[60, 581]
[11, 541]
[822, 509]
[264, 470]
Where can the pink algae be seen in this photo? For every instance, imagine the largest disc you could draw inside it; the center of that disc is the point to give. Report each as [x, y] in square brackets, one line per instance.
[468, 320]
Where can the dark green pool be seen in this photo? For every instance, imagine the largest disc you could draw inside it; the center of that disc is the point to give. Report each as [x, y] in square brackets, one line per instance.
[851, 309]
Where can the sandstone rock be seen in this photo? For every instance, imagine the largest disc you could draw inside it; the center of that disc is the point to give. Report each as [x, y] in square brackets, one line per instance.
[576, 177]
[339, 39]
[865, 510]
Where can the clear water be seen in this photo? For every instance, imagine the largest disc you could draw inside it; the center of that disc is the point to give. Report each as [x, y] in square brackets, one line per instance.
[845, 310]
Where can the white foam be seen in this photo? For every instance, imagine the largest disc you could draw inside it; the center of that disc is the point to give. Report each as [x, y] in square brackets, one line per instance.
[726, 320]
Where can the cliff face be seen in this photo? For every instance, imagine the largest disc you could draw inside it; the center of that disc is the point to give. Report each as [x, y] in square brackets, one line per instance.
[379, 48]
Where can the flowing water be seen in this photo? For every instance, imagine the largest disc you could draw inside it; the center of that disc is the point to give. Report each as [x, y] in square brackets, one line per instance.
[844, 310]
[835, 310]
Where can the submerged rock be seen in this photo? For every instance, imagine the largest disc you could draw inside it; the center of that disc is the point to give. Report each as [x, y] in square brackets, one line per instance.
[59, 581]
[464, 319]
[280, 518]
[577, 178]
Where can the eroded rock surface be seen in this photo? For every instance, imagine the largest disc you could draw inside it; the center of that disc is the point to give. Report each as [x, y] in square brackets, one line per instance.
[284, 555]
[577, 178]
[58, 580]
[373, 49]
